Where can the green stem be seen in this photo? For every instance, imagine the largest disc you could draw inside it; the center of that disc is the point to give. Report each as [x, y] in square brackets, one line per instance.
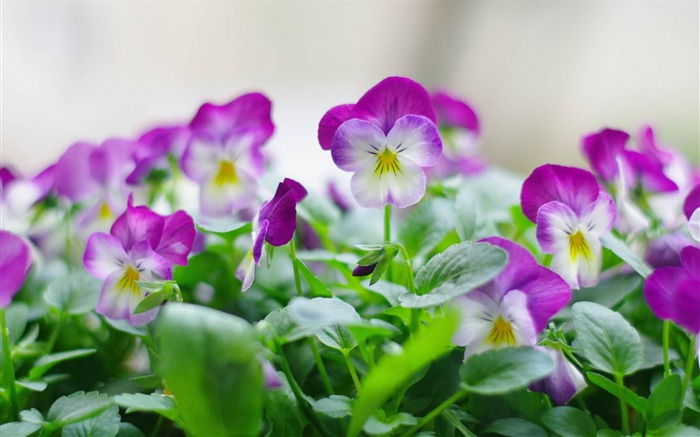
[321, 367]
[9, 371]
[297, 278]
[689, 363]
[666, 335]
[159, 423]
[435, 412]
[547, 260]
[415, 320]
[387, 223]
[54, 334]
[623, 406]
[353, 373]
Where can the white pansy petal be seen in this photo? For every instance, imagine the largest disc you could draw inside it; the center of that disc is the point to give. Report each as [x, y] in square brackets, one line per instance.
[564, 266]
[400, 185]
[416, 138]
[475, 310]
[356, 144]
[589, 267]
[114, 299]
[514, 306]
[246, 271]
[200, 160]
[599, 217]
[555, 221]
[104, 254]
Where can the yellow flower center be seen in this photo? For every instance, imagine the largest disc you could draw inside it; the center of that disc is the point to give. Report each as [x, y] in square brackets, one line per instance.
[226, 174]
[105, 213]
[578, 247]
[128, 281]
[387, 161]
[501, 333]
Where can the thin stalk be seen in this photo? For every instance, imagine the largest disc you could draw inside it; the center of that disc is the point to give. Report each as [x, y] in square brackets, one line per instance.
[297, 278]
[415, 320]
[623, 406]
[435, 412]
[666, 335]
[9, 371]
[353, 373]
[689, 363]
[387, 223]
[54, 334]
[321, 367]
[159, 423]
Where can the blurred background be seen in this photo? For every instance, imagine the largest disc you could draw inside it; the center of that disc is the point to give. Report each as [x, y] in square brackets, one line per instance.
[540, 74]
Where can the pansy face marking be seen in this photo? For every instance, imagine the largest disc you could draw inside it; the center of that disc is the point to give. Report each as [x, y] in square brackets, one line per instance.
[387, 161]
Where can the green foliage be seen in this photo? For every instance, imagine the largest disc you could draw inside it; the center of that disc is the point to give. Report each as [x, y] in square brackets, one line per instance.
[568, 421]
[514, 427]
[627, 395]
[664, 408]
[76, 293]
[427, 226]
[626, 254]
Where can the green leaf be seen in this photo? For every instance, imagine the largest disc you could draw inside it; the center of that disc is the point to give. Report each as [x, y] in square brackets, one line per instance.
[32, 416]
[664, 408]
[384, 262]
[18, 429]
[106, 424]
[504, 370]
[209, 360]
[208, 267]
[37, 386]
[570, 422]
[154, 300]
[154, 403]
[228, 230]
[338, 338]
[16, 316]
[77, 293]
[427, 226]
[606, 339]
[457, 270]
[312, 315]
[335, 406]
[126, 429]
[46, 362]
[318, 288]
[77, 407]
[608, 293]
[631, 398]
[387, 376]
[626, 254]
[282, 409]
[378, 424]
[514, 427]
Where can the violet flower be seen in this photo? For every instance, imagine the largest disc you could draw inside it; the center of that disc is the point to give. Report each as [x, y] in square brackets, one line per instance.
[571, 215]
[512, 308]
[153, 149]
[564, 382]
[15, 261]
[141, 246]
[224, 154]
[459, 129]
[691, 209]
[274, 224]
[384, 139]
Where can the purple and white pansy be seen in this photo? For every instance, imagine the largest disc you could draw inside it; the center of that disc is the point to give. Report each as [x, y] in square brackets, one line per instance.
[385, 139]
[141, 246]
[224, 152]
[571, 214]
[274, 224]
[15, 261]
[514, 307]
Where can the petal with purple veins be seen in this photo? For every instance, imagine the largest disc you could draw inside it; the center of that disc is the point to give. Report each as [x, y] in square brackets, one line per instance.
[104, 254]
[401, 184]
[416, 138]
[599, 217]
[356, 144]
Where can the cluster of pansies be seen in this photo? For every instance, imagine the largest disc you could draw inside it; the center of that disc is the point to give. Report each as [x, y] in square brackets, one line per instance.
[495, 305]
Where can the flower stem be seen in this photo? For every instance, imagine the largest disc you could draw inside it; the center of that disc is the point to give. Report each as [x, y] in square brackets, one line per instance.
[689, 362]
[297, 278]
[666, 335]
[623, 406]
[435, 412]
[387, 223]
[353, 373]
[9, 370]
[54, 334]
[321, 367]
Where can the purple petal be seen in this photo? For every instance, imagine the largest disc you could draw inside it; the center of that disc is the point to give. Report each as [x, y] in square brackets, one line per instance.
[563, 383]
[402, 189]
[15, 261]
[452, 112]
[272, 380]
[136, 224]
[555, 221]
[391, 99]
[599, 217]
[686, 305]
[149, 262]
[72, 173]
[416, 138]
[330, 122]
[692, 201]
[178, 237]
[647, 145]
[546, 292]
[201, 160]
[118, 302]
[249, 111]
[281, 214]
[112, 162]
[356, 144]
[690, 260]
[665, 251]
[6, 176]
[649, 172]
[104, 254]
[574, 187]
[602, 149]
[163, 140]
[297, 190]
[659, 288]
[259, 241]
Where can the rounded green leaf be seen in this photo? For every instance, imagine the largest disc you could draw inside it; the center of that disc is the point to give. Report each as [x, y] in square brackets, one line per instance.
[515, 427]
[570, 422]
[606, 339]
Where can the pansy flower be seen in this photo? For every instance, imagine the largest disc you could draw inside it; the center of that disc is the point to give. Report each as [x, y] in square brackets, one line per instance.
[153, 149]
[564, 382]
[15, 261]
[512, 308]
[691, 209]
[384, 139]
[571, 214]
[274, 224]
[459, 129]
[224, 154]
[673, 293]
[141, 246]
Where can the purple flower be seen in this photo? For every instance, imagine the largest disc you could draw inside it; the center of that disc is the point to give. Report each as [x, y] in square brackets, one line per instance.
[564, 382]
[274, 224]
[459, 129]
[224, 152]
[15, 261]
[512, 308]
[691, 209]
[673, 293]
[154, 147]
[571, 215]
[384, 139]
[141, 246]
